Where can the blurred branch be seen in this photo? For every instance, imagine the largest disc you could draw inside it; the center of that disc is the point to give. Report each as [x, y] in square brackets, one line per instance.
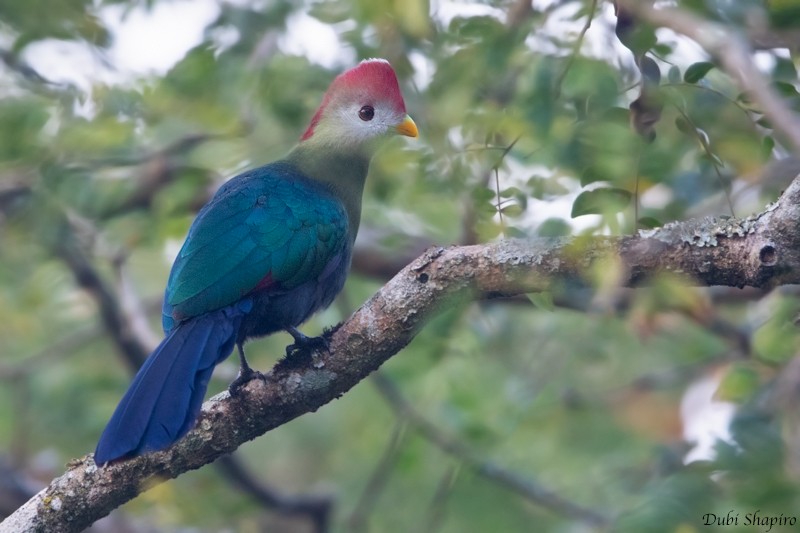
[518, 13]
[15, 487]
[317, 507]
[13, 62]
[63, 346]
[771, 38]
[359, 518]
[372, 258]
[436, 509]
[265, 49]
[133, 309]
[14, 186]
[523, 486]
[731, 49]
[157, 169]
[178, 147]
[116, 308]
[70, 251]
[762, 251]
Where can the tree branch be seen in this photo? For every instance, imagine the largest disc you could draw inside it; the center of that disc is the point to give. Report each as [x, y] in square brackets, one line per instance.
[761, 251]
[112, 316]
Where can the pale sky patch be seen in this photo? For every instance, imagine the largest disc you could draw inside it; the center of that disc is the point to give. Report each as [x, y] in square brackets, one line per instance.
[151, 41]
[318, 42]
[705, 418]
[445, 11]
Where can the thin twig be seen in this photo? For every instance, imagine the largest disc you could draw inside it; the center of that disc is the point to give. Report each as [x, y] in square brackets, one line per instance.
[709, 153]
[496, 172]
[436, 510]
[576, 49]
[684, 85]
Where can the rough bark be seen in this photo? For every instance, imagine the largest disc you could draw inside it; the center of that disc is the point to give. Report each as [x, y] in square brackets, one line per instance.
[761, 251]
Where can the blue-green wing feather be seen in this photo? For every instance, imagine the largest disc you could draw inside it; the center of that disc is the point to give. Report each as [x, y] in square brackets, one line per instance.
[268, 224]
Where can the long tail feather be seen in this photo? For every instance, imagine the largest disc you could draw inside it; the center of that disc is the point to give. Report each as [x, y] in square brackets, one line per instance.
[164, 400]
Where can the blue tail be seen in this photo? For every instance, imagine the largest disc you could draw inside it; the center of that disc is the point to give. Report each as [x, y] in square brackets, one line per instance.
[164, 399]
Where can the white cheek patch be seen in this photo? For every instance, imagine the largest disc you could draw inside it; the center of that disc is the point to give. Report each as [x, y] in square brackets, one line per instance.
[343, 127]
[354, 130]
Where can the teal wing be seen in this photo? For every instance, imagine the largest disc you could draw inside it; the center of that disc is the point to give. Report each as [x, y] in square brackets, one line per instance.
[267, 229]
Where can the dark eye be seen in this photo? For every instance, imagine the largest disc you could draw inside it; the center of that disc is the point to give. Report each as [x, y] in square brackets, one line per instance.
[366, 113]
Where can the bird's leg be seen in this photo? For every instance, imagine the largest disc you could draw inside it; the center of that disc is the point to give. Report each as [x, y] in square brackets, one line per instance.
[305, 344]
[246, 373]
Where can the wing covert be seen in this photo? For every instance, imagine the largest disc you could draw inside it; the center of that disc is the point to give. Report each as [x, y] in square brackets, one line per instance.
[266, 222]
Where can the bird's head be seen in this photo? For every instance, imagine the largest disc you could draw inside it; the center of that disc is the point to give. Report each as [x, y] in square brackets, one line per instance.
[361, 106]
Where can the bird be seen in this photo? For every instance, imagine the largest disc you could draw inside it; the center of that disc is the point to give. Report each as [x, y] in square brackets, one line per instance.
[269, 249]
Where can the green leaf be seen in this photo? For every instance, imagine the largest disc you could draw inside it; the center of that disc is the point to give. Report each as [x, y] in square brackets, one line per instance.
[738, 385]
[592, 174]
[601, 201]
[540, 187]
[512, 210]
[697, 71]
[674, 74]
[514, 232]
[785, 89]
[509, 192]
[684, 127]
[783, 14]
[482, 194]
[649, 222]
[542, 300]
[784, 69]
[662, 49]
[554, 227]
[767, 145]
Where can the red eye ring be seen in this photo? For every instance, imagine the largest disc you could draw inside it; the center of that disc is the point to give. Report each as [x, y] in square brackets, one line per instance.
[366, 113]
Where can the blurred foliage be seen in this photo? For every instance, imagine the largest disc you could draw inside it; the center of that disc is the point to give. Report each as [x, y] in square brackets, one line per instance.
[526, 131]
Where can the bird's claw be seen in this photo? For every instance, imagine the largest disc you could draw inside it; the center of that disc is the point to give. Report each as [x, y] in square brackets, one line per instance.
[307, 346]
[304, 345]
[246, 375]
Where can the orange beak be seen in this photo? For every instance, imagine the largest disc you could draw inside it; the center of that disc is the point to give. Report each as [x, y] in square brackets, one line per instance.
[407, 127]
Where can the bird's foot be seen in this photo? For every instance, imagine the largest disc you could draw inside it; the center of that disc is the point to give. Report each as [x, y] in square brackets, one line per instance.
[306, 351]
[306, 346]
[246, 375]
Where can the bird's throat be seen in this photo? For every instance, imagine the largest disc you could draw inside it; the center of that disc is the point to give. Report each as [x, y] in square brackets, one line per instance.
[344, 173]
